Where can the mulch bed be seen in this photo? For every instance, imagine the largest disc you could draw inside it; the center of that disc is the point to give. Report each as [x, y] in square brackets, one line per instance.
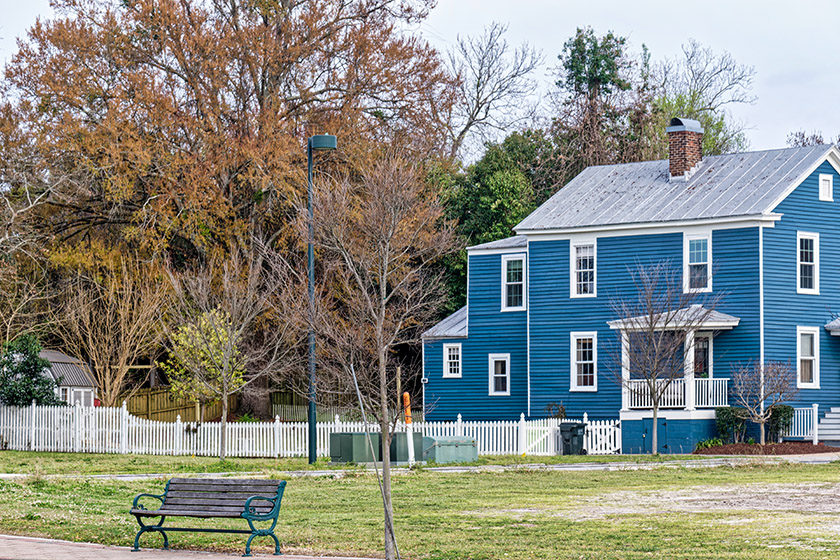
[784, 448]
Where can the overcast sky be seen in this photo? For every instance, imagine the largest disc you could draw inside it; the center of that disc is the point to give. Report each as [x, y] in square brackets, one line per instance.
[794, 46]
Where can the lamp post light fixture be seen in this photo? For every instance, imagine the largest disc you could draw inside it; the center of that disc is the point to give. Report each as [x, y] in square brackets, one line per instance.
[317, 142]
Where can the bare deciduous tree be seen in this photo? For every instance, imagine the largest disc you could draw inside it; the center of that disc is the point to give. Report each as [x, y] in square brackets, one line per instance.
[758, 388]
[657, 323]
[380, 236]
[494, 85]
[234, 320]
[112, 322]
[23, 293]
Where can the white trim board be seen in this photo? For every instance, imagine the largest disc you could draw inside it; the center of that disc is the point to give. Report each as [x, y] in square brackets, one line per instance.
[669, 414]
[649, 228]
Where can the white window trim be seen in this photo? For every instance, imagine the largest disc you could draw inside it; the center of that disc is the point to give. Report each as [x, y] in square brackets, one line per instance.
[687, 237]
[709, 335]
[574, 336]
[505, 260]
[816, 237]
[816, 332]
[830, 178]
[573, 245]
[446, 373]
[491, 370]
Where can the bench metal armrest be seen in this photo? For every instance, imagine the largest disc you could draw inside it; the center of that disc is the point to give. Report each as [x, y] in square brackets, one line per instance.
[138, 505]
[250, 512]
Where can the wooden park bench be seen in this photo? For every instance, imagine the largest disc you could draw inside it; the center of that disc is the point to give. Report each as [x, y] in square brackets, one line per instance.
[249, 499]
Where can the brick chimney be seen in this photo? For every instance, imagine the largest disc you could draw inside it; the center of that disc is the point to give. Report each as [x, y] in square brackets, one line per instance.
[685, 147]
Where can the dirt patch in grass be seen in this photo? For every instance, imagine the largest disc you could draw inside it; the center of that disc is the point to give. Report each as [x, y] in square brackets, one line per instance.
[784, 448]
[810, 498]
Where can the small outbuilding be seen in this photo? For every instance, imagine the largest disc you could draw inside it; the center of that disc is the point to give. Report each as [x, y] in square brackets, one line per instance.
[74, 383]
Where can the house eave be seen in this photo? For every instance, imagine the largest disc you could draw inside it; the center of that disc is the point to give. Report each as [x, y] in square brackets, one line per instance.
[753, 220]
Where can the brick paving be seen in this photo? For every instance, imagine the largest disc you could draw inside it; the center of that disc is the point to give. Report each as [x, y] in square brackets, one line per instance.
[32, 548]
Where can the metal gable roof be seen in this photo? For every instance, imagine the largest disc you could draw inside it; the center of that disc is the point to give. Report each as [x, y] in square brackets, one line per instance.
[732, 185]
[514, 242]
[454, 326]
[70, 371]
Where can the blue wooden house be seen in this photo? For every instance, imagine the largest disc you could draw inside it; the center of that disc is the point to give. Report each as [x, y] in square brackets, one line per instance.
[760, 227]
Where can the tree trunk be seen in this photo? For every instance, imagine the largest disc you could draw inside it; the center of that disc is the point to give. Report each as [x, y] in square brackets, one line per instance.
[761, 432]
[223, 437]
[385, 426]
[654, 450]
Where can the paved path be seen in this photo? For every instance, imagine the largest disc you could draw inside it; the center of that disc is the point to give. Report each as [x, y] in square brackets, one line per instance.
[31, 548]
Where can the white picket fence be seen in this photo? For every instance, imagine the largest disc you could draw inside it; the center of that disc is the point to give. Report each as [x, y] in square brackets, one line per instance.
[113, 430]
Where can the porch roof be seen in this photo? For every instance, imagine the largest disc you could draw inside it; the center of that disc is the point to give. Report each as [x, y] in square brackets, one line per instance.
[695, 316]
[833, 327]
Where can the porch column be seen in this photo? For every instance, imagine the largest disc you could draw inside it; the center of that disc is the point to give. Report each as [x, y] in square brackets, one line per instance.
[689, 371]
[625, 371]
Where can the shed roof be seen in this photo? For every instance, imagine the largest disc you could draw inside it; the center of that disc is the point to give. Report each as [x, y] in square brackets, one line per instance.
[833, 326]
[732, 185]
[507, 243]
[454, 326]
[66, 370]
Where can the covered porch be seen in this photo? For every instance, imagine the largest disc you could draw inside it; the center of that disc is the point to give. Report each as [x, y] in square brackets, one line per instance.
[696, 387]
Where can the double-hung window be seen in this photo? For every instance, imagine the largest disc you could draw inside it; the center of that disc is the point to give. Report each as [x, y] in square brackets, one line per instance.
[452, 360]
[513, 282]
[808, 357]
[826, 187]
[583, 269]
[808, 263]
[499, 374]
[702, 356]
[584, 353]
[697, 254]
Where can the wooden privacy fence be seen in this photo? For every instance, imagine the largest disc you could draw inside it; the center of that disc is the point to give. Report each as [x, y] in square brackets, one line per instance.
[161, 404]
[114, 430]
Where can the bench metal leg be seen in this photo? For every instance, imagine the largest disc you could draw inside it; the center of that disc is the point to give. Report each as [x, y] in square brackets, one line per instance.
[263, 533]
[150, 528]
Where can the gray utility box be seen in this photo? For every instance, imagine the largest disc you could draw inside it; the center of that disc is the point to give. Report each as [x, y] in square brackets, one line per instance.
[399, 448]
[450, 450]
[570, 438]
[353, 447]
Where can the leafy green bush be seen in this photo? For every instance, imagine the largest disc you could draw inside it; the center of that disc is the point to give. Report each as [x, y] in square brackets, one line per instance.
[247, 418]
[731, 422]
[23, 375]
[709, 443]
[781, 417]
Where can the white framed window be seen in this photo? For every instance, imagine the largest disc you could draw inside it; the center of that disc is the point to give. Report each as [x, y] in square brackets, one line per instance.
[697, 259]
[703, 355]
[452, 360]
[499, 374]
[807, 263]
[583, 266]
[584, 361]
[513, 282]
[826, 187]
[808, 357]
[65, 394]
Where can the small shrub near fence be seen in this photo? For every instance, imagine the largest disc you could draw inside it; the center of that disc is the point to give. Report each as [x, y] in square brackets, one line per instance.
[115, 430]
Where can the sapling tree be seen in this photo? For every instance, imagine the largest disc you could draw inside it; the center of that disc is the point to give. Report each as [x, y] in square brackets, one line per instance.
[758, 387]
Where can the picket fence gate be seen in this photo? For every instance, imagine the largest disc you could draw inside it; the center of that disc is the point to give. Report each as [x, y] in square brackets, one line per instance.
[113, 430]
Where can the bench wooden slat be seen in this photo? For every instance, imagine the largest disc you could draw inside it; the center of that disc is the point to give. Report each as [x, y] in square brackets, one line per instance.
[210, 501]
[219, 490]
[187, 494]
[185, 513]
[225, 482]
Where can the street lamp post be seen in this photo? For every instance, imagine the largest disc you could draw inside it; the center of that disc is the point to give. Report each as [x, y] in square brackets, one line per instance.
[317, 142]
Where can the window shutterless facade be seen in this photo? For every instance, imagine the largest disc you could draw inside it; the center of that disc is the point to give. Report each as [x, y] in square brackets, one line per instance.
[584, 362]
[702, 356]
[808, 357]
[499, 374]
[452, 360]
[697, 259]
[826, 187]
[513, 282]
[807, 263]
[583, 267]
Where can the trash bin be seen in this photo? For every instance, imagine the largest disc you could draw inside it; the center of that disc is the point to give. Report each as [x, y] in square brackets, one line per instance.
[570, 438]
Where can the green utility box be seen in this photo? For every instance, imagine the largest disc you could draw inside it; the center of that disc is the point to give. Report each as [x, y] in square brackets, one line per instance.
[399, 448]
[353, 447]
[570, 438]
[450, 450]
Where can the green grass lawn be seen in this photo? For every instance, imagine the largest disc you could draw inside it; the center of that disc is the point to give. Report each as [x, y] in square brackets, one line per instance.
[764, 512]
[25, 462]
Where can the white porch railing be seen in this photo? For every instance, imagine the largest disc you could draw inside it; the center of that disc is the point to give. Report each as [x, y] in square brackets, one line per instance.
[711, 393]
[805, 423]
[708, 393]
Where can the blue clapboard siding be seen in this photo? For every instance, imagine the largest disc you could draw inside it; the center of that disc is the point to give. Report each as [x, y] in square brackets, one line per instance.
[784, 308]
[491, 331]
